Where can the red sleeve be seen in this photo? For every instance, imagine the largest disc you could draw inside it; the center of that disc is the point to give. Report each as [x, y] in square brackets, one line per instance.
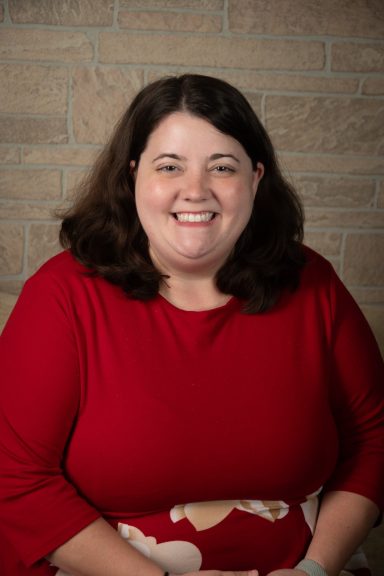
[357, 391]
[39, 403]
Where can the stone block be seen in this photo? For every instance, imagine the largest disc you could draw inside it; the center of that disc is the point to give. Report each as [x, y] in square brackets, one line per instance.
[11, 286]
[341, 218]
[33, 130]
[363, 259]
[326, 242]
[367, 295]
[60, 155]
[100, 96]
[11, 248]
[43, 244]
[74, 179]
[64, 13]
[309, 18]
[335, 192]
[178, 21]
[292, 83]
[188, 4]
[30, 184]
[44, 45]
[9, 155]
[220, 51]
[1, 13]
[263, 82]
[332, 163]
[13, 210]
[373, 86]
[317, 124]
[357, 57]
[30, 89]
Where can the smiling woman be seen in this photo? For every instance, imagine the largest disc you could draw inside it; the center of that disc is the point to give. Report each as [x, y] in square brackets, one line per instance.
[199, 393]
[198, 135]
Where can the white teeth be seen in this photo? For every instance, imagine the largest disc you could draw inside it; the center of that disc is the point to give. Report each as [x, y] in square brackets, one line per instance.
[194, 216]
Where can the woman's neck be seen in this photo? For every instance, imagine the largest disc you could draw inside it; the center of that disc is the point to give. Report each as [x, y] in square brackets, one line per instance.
[193, 293]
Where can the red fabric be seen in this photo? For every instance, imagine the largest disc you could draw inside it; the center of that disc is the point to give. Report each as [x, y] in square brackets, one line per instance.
[127, 409]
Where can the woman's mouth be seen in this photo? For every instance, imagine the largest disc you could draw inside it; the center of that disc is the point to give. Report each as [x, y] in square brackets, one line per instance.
[194, 216]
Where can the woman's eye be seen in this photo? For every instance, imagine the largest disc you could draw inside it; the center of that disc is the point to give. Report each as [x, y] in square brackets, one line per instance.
[167, 168]
[223, 169]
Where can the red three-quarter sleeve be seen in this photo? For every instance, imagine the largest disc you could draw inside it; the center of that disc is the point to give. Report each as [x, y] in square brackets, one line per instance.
[40, 400]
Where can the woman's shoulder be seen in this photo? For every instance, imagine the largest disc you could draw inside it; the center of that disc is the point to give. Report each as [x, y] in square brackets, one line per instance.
[63, 277]
[319, 279]
[314, 258]
[62, 268]
[316, 265]
[61, 273]
[62, 263]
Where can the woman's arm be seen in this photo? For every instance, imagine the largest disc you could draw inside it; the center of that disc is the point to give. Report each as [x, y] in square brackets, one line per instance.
[354, 493]
[345, 520]
[98, 550]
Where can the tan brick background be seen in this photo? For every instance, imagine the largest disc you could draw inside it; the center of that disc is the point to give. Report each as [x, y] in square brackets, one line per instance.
[312, 69]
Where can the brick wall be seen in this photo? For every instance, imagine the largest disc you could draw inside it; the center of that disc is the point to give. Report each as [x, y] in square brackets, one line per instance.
[313, 70]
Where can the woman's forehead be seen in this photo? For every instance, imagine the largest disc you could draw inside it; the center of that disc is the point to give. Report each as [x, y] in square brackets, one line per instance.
[183, 130]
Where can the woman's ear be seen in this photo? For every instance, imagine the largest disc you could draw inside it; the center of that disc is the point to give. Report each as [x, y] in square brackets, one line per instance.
[258, 173]
[132, 168]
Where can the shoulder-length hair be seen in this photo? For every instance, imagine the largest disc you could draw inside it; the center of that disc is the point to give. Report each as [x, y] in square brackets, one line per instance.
[103, 230]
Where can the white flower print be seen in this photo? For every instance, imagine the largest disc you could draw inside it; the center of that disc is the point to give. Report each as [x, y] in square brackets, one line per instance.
[176, 556]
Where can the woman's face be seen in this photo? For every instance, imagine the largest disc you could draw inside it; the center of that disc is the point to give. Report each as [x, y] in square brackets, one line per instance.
[195, 188]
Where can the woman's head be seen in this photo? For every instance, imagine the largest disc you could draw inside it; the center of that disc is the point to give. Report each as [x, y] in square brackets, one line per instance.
[104, 230]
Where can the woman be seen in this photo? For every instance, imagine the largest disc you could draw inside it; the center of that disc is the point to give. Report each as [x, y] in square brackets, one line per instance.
[193, 378]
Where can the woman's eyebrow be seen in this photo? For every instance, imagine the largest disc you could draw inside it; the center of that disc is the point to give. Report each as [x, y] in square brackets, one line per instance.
[169, 155]
[223, 155]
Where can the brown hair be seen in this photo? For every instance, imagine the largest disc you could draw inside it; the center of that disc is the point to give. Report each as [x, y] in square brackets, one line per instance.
[103, 230]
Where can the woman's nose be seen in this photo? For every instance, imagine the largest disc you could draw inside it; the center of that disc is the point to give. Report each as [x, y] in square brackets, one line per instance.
[196, 188]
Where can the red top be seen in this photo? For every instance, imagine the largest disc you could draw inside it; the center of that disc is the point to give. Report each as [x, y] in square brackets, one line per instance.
[200, 435]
